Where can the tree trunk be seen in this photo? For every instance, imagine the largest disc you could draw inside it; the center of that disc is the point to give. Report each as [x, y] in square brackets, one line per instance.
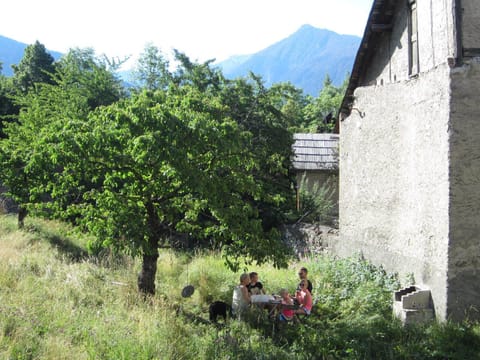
[146, 278]
[22, 214]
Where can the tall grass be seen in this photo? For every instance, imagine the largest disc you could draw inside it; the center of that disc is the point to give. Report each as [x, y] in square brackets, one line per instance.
[57, 302]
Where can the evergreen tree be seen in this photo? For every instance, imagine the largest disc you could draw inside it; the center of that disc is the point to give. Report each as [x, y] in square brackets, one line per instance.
[36, 66]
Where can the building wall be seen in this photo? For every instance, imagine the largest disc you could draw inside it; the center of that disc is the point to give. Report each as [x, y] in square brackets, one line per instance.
[394, 179]
[470, 24]
[436, 42]
[410, 158]
[464, 247]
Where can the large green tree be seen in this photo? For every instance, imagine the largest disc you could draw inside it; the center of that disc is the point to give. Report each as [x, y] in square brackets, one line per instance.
[203, 157]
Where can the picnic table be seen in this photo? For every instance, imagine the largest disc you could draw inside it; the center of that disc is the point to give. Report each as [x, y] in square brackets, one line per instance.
[272, 302]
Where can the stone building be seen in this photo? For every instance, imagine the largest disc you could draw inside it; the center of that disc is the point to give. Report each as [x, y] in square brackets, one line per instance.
[410, 149]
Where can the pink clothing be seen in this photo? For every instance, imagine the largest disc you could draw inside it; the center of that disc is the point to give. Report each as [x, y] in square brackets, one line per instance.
[304, 298]
[288, 313]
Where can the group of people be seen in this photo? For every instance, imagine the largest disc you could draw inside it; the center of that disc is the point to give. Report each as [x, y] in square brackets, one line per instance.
[300, 303]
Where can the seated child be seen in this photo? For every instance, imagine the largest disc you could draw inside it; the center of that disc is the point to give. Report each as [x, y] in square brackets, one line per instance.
[287, 313]
[255, 287]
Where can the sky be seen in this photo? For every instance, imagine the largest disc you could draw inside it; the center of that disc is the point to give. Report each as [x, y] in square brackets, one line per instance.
[202, 29]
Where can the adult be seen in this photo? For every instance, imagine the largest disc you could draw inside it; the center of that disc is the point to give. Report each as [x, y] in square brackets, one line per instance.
[303, 275]
[255, 287]
[241, 296]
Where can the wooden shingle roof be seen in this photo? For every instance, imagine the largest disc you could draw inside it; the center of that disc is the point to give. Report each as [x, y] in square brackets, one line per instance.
[315, 151]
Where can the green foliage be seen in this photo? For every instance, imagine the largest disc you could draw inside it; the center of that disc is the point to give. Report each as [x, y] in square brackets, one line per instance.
[316, 200]
[8, 110]
[87, 309]
[325, 105]
[152, 69]
[307, 114]
[41, 145]
[203, 158]
[94, 77]
[36, 66]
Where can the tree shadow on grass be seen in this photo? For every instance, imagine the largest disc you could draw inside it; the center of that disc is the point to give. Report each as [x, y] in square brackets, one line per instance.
[65, 246]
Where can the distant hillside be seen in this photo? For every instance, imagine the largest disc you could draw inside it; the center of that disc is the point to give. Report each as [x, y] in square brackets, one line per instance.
[11, 52]
[304, 58]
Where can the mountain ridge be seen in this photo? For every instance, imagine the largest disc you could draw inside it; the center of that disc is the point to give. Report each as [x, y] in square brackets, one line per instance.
[303, 58]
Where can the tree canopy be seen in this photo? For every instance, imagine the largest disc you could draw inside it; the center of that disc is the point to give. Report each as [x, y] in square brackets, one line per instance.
[188, 157]
[202, 157]
[36, 66]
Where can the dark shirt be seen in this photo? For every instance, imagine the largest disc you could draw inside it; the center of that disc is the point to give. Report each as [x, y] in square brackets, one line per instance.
[255, 289]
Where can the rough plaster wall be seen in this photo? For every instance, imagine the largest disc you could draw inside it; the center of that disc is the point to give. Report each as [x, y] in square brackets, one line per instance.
[394, 179]
[435, 41]
[464, 253]
[471, 24]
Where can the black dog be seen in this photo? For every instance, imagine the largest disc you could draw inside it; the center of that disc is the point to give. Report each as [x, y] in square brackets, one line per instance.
[219, 308]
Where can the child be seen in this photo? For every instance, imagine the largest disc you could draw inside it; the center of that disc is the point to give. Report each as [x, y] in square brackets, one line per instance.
[287, 313]
[255, 287]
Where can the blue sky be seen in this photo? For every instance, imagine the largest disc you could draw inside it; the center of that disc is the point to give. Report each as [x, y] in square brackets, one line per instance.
[202, 29]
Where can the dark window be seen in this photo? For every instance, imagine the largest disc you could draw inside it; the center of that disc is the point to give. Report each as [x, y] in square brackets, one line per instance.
[413, 66]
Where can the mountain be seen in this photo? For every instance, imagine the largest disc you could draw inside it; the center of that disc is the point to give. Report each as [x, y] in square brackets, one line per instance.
[11, 52]
[304, 59]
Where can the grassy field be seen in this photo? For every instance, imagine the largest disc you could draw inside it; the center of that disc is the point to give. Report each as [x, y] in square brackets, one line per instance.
[56, 302]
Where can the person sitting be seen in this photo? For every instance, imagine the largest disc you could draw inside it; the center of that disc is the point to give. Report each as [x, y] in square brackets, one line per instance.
[241, 296]
[304, 299]
[287, 313]
[303, 274]
[255, 287]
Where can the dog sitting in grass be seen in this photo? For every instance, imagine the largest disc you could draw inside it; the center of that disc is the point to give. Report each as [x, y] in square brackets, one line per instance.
[219, 308]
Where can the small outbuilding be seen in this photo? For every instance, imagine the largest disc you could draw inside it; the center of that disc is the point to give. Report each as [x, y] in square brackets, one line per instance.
[316, 163]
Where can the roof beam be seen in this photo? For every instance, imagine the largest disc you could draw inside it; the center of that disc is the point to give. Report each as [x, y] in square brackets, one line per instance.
[381, 27]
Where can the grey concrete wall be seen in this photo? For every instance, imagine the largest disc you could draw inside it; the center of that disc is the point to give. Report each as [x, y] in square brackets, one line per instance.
[464, 247]
[436, 41]
[471, 24]
[394, 179]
